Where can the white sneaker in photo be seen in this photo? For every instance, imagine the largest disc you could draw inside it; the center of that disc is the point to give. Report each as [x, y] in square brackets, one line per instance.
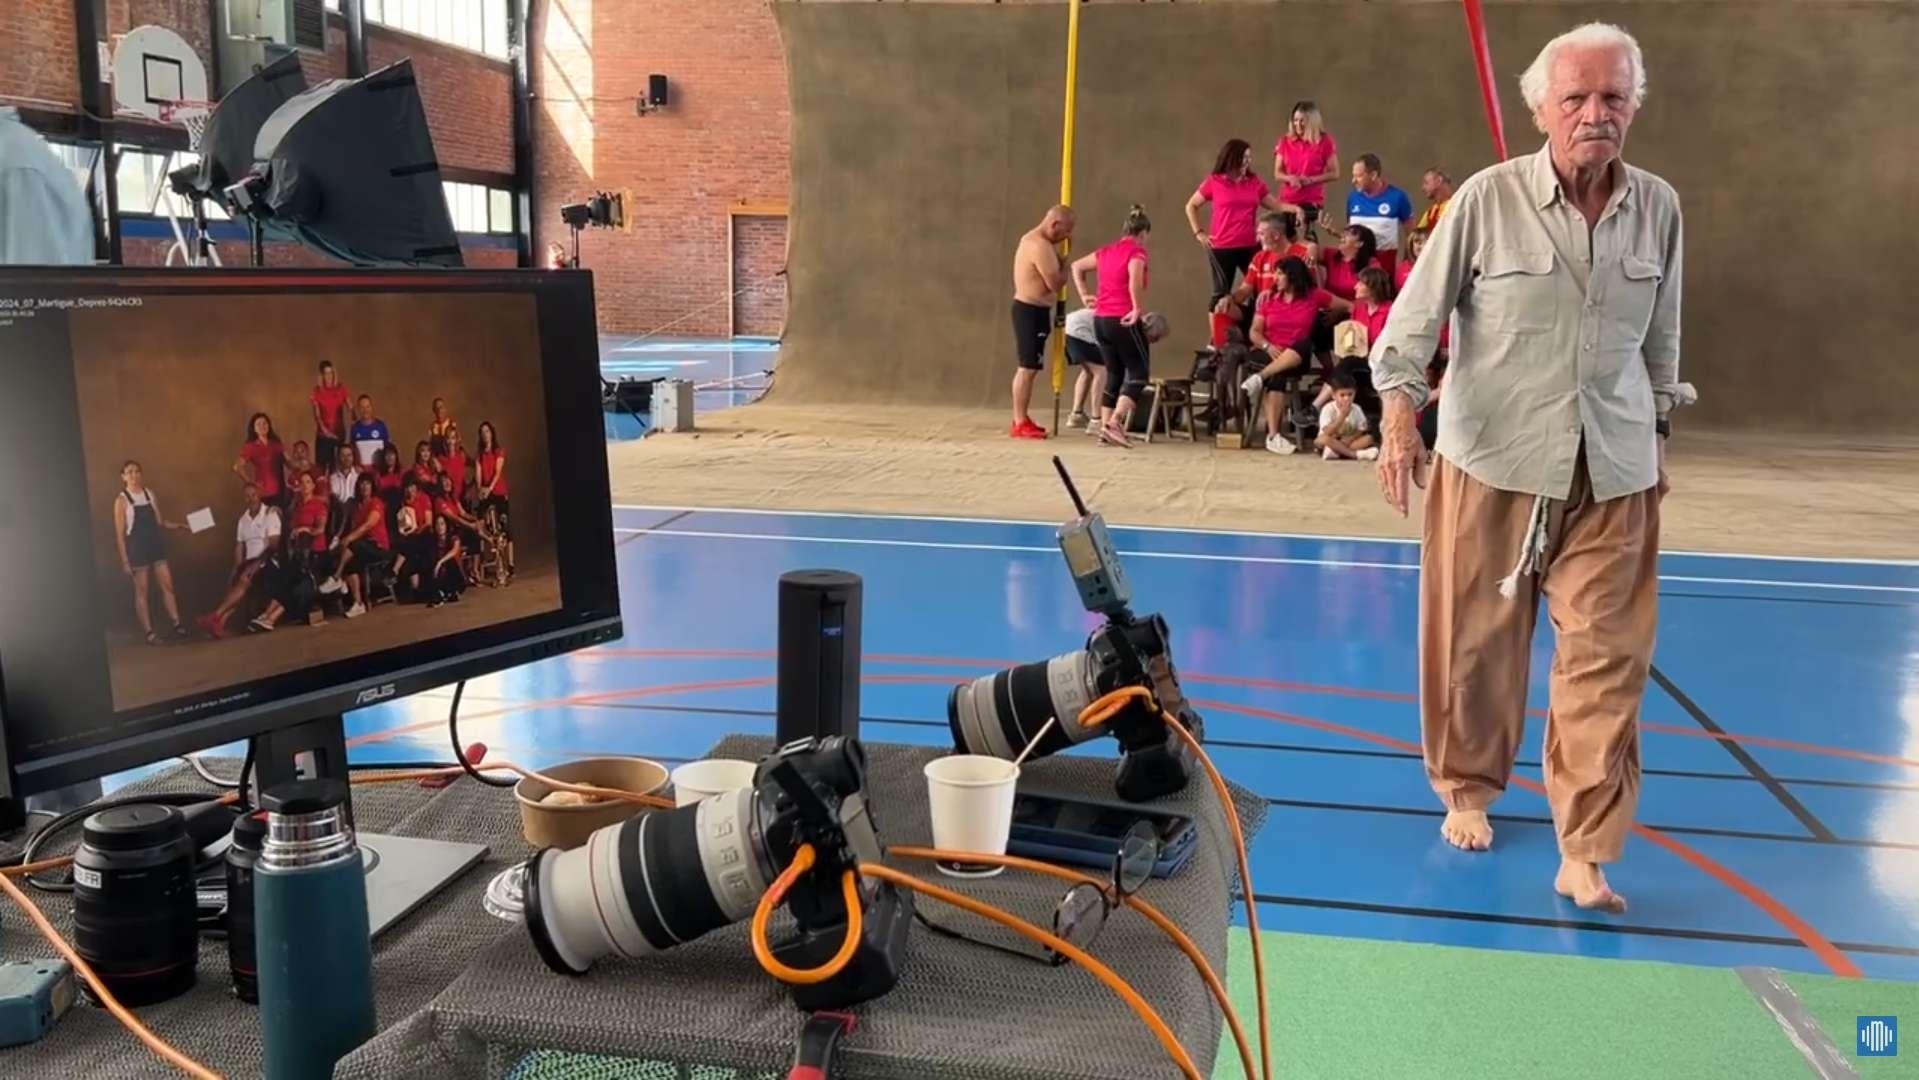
[331, 586]
[1279, 444]
[1328, 455]
[1371, 453]
[355, 611]
[1252, 384]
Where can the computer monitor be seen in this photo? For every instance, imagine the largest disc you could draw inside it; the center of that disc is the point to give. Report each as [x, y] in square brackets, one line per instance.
[151, 419]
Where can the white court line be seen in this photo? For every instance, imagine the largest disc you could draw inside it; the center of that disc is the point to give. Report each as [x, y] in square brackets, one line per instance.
[1219, 532]
[1195, 557]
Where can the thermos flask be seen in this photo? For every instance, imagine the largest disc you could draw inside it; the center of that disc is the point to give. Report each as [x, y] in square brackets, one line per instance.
[311, 941]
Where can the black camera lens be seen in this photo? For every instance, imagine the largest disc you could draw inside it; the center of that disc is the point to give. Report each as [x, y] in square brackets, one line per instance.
[999, 714]
[249, 833]
[134, 902]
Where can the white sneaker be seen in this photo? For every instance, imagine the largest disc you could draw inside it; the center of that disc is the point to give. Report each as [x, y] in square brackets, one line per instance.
[1371, 453]
[1279, 444]
[1328, 455]
[355, 611]
[1253, 384]
[331, 586]
[1076, 419]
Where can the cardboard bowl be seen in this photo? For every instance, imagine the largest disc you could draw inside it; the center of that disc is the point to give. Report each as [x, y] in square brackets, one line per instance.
[547, 825]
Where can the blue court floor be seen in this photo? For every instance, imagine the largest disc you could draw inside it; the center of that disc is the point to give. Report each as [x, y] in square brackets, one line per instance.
[724, 373]
[1781, 739]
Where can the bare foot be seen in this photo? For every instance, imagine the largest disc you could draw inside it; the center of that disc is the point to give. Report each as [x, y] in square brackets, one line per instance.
[1468, 830]
[1585, 884]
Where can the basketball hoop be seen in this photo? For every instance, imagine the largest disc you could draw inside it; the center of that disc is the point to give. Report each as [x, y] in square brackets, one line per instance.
[189, 114]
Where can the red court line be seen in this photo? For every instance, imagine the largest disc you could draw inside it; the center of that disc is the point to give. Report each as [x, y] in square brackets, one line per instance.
[1283, 685]
[574, 699]
[1821, 946]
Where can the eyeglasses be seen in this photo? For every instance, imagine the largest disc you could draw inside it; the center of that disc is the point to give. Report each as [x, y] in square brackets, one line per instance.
[1081, 914]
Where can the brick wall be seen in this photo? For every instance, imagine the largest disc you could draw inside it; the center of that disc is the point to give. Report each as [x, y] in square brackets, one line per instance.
[468, 98]
[148, 251]
[724, 140]
[37, 53]
[759, 254]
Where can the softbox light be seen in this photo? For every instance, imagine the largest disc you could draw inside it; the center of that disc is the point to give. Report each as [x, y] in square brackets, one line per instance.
[350, 170]
[226, 150]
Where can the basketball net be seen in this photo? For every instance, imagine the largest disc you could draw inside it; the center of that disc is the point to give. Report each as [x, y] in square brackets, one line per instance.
[192, 115]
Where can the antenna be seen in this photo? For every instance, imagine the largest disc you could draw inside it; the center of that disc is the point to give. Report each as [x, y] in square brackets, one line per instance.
[1078, 503]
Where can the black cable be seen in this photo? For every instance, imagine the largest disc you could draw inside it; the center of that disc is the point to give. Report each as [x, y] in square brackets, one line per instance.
[459, 752]
[246, 774]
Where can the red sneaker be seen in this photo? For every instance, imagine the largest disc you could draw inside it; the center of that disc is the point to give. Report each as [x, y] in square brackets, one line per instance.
[212, 625]
[1026, 429]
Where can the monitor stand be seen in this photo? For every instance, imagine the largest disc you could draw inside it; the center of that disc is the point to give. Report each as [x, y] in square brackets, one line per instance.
[401, 872]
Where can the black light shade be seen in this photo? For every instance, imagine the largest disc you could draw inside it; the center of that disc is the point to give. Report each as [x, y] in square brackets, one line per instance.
[351, 172]
[226, 150]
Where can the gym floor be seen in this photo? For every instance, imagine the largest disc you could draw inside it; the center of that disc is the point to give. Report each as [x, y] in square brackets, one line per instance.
[1780, 807]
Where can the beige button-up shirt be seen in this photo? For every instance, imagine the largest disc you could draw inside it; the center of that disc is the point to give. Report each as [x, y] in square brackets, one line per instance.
[1561, 333]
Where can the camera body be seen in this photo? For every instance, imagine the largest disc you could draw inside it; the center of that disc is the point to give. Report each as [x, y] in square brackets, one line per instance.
[999, 714]
[813, 791]
[1137, 651]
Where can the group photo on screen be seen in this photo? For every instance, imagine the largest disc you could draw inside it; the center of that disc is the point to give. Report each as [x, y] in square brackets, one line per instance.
[321, 477]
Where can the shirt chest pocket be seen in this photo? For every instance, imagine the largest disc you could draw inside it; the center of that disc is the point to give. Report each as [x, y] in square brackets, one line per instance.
[1634, 290]
[1515, 292]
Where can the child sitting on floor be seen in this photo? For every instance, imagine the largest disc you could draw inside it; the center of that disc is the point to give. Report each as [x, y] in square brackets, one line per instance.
[1343, 431]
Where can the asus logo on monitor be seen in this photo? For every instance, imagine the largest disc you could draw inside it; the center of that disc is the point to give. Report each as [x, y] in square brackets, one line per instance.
[374, 693]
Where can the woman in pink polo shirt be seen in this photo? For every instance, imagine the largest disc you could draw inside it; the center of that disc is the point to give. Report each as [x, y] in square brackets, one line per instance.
[1304, 159]
[1125, 329]
[1237, 195]
[1290, 328]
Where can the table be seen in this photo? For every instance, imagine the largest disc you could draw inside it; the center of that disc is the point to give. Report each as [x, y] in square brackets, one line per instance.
[462, 993]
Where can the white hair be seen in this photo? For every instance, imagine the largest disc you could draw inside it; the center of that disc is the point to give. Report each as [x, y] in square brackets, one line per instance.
[1533, 82]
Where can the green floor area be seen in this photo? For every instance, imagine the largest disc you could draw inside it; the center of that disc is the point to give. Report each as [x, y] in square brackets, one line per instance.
[1353, 1009]
[1350, 1009]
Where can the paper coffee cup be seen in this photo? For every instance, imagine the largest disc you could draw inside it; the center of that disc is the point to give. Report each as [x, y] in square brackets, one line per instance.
[971, 796]
[697, 780]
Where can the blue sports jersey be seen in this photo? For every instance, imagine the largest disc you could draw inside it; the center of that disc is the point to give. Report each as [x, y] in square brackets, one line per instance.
[1382, 213]
[369, 438]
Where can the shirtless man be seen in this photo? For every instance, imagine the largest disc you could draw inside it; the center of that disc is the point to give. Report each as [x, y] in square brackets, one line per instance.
[1038, 276]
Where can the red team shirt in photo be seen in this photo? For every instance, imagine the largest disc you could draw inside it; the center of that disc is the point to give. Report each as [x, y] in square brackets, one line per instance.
[269, 462]
[312, 514]
[375, 512]
[1113, 300]
[330, 403]
[388, 481]
[422, 505]
[490, 460]
[454, 465]
[1235, 209]
[425, 474]
[1291, 321]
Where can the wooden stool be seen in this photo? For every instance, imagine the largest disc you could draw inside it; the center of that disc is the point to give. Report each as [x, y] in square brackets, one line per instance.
[1170, 397]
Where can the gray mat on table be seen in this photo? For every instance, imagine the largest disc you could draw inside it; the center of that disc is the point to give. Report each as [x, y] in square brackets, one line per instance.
[705, 1011]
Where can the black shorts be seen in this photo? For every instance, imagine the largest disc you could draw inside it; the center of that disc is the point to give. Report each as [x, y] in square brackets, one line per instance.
[1032, 324]
[326, 451]
[1084, 352]
[368, 553]
[1227, 264]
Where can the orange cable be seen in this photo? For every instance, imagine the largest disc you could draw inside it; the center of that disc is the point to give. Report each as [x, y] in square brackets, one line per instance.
[154, 1042]
[1172, 930]
[803, 860]
[1098, 713]
[1012, 922]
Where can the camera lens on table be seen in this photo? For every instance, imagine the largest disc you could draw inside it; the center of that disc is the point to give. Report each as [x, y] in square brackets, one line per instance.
[134, 902]
[999, 714]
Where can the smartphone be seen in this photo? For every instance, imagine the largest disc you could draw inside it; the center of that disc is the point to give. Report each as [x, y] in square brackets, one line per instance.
[1086, 833]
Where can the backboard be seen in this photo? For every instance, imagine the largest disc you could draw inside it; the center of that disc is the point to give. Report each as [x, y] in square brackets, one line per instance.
[154, 68]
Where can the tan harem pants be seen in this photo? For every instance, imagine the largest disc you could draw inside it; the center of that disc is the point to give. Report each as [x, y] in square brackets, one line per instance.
[1599, 573]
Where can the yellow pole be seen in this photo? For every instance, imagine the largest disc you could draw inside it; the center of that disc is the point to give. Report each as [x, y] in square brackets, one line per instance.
[1066, 199]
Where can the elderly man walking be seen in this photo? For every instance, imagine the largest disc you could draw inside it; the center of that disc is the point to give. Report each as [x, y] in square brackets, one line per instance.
[1562, 269]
